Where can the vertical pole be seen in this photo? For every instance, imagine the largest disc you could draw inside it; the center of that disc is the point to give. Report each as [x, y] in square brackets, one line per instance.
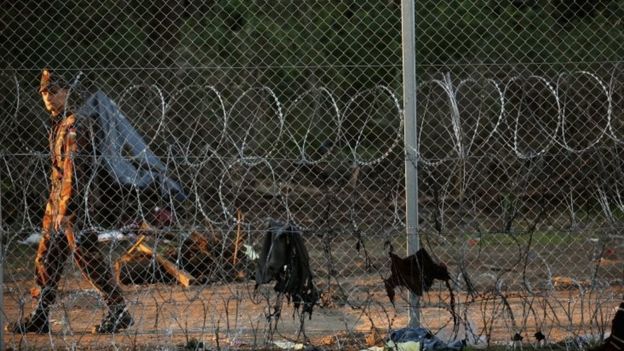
[2, 238]
[408, 30]
[1, 289]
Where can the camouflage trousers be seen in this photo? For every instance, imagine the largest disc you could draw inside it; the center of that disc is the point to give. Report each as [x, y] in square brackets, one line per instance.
[54, 249]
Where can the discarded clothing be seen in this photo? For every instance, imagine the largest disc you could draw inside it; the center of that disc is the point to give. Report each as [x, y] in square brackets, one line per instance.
[403, 346]
[615, 341]
[415, 272]
[391, 346]
[427, 340]
[284, 258]
[126, 155]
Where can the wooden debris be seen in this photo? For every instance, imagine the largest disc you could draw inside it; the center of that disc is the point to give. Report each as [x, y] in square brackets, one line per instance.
[182, 276]
[239, 238]
[142, 255]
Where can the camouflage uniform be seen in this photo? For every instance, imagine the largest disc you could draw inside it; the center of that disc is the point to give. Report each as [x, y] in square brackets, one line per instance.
[71, 156]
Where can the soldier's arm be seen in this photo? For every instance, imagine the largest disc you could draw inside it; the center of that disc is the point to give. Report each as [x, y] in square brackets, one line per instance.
[47, 218]
[77, 169]
[67, 183]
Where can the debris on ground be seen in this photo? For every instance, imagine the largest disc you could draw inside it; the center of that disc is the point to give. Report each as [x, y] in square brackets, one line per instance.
[210, 257]
[198, 257]
[403, 346]
[112, 235]
[141, 265]
[566, 283]
[32, 239]
[288, 345]
[345, 340]
[427, 340]
[416, 339]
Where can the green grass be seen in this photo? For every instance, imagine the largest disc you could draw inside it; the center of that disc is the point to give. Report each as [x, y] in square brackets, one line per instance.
[541, 239]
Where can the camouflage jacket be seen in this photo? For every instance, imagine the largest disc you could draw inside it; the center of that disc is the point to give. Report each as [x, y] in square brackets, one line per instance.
[68, 169]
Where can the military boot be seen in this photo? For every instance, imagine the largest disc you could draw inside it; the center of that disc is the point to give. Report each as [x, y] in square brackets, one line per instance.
[36, 322]
[118, 318]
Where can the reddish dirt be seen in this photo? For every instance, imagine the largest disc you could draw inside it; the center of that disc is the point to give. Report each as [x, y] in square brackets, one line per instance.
[229, 315]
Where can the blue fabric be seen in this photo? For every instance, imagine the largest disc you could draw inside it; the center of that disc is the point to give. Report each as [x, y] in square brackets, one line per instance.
[428, 341]
[141, 167]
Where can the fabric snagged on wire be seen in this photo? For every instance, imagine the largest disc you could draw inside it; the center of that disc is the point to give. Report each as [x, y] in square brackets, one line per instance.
[125, 154]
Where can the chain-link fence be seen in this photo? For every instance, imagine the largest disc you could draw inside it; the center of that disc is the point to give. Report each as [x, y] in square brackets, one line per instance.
[185, 131]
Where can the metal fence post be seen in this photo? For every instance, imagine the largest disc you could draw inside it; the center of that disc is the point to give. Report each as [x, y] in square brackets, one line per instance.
[1, 290]
[408, 29]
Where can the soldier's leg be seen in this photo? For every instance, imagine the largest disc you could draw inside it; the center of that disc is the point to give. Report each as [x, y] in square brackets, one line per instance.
[99, 272]
[51, 256]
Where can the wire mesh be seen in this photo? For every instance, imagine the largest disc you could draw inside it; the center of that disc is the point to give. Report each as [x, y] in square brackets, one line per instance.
[199, 121]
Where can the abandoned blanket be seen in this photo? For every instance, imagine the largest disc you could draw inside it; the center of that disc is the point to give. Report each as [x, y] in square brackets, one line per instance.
[427, 340]
[125, 154]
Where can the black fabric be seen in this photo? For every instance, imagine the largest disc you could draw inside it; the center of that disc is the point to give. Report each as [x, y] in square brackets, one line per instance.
[615, 342]
[616, 339]
[284, 258]
[415, 272]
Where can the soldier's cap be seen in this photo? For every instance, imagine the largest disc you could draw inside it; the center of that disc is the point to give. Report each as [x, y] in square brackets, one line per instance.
[51, 81]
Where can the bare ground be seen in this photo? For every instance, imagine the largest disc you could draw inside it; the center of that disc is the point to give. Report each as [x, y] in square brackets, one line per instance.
[353, 315]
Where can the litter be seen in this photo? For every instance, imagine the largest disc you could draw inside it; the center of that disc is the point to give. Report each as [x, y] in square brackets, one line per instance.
[111, 235]
[32, 239]
[416, 339]
[415, 272]
[284, 258]
[427, 341]
[288, 345]
[403, 346]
